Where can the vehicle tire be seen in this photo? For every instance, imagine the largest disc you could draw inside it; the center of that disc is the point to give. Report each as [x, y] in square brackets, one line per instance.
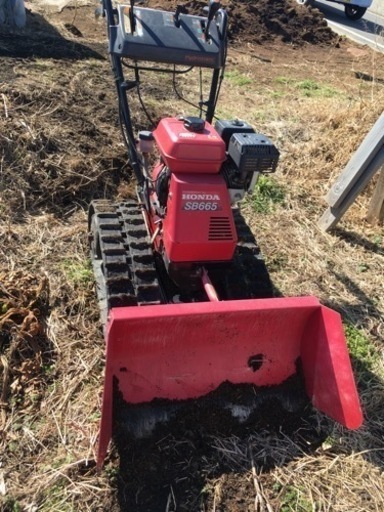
[354, 12]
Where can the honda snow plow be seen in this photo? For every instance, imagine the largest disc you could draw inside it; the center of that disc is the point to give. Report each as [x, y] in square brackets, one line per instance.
[185, 296]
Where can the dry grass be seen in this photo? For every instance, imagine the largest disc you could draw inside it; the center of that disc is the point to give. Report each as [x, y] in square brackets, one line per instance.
[325, 480]
[59, 147]
[50, 417]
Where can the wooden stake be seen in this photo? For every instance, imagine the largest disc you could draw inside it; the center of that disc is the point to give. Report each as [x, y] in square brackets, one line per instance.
[376, 206]
[357, 165]
[333, 214]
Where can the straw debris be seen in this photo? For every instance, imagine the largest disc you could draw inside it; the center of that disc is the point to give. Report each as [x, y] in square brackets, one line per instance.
[60, 146]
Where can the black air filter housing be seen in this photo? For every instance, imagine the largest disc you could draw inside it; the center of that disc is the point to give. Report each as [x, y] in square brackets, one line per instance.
[227, 127]
[253, 152]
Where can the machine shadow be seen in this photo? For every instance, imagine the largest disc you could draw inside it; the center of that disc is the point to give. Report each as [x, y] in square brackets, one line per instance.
[359, 313]
[353, 239]
[39, 39]
[365, 311]
[175, 468]
[366, 77]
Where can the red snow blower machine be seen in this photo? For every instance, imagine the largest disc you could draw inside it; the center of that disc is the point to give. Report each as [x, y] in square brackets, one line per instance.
[186, 301]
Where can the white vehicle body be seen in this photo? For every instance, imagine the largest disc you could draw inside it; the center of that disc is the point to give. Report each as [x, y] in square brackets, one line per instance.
[360, 3]
[12, 13]
[354, 9]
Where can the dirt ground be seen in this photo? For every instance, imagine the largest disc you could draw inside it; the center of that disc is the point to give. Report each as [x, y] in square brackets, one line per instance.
[316, 96]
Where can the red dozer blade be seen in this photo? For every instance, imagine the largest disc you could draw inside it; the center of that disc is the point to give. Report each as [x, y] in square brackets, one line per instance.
[185, 351]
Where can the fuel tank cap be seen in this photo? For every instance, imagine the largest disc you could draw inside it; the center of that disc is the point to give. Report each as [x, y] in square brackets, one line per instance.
[194, 124]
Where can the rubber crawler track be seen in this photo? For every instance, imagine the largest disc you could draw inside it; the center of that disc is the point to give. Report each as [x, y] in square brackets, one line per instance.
[124, 265]
[122, 256]
[249, 269]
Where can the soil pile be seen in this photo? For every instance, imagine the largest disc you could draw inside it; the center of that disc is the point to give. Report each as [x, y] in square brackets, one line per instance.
[267, 20]
[80, 36]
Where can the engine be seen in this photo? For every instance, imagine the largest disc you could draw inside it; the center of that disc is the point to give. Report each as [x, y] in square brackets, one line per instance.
[202, 172]
[249, 154]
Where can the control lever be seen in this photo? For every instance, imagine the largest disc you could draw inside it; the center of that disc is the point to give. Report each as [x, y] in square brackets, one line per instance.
[180, 9]
[132, 20]
[214, 6]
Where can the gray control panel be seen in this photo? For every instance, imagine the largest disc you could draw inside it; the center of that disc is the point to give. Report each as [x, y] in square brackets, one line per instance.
[158, 37]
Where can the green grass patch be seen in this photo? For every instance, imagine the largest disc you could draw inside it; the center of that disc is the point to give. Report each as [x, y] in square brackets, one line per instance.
[363, 354]
[11, 505]
[293, 500]
[78, 272]
[112, 472]
[237, 78]
[267, 194]
[259, 115]
[363, 267]
[277, 94]
[312, 88]
[226, 114]
[309, 88]
[283, 80]
[360, 347]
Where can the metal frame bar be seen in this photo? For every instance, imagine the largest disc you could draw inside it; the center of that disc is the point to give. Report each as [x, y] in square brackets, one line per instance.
[123, 87]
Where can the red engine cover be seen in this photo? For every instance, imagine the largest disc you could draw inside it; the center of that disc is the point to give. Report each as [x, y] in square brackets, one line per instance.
[187, 151]
[199, 224]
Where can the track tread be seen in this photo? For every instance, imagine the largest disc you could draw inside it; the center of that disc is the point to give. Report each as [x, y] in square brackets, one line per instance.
[126, 273]
[247, 277]
[249, 262]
